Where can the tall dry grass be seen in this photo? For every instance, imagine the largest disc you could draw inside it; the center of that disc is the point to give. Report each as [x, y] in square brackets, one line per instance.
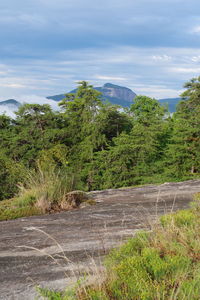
[43, 191]
[162, 264]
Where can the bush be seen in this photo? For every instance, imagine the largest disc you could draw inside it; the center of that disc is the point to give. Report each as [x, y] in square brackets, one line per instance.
[11, 174]
[162, 264]
[43, 191]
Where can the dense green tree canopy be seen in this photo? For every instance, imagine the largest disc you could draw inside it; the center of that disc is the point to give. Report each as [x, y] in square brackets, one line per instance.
[102, 145]
[184, 150]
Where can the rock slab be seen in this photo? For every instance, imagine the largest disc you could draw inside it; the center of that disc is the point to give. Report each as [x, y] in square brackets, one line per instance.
[53, 250]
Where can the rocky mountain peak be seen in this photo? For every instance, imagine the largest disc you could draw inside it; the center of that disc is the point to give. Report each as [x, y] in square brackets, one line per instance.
[116, 91]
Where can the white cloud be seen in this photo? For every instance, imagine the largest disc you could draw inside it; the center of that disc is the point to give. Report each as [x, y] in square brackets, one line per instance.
[196, 58]
[8, 110]
[163, 68]
[163, 57]
[12, 85]
[4, 70]
[144, 19]
[103, 77]
[187, 70]
[34, 99]
[157, 92]
[16, 18]
[195, 29]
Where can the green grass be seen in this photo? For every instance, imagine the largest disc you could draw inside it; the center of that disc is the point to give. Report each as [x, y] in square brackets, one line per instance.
[12, 209]
[44, 191]
[163, 264]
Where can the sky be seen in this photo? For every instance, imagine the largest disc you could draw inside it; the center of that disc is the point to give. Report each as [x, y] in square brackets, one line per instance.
[150, 46]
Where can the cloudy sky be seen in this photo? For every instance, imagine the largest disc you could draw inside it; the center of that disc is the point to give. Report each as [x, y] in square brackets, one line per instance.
[150, 46]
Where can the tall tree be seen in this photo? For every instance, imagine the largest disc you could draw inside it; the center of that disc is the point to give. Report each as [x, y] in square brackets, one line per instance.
[36, 128]
[81, 110]
[11, 174]
[184, 150]
[148, 133]
[133, 155]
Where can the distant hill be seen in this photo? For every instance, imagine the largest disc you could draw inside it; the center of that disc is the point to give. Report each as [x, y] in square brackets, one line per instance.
[10, 102]
[9, 107]
[121, 95]
[112, 93]
[171, 103]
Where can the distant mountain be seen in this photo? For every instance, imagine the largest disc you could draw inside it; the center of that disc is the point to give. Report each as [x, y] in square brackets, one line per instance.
[9, 107]
[121, 95]
[10, 102]
[112, 93]
[171, 103]
[117, 94]
[57, 98]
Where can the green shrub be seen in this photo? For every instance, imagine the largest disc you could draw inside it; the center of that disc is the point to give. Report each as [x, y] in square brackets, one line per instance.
[179, 219]
[9, 209]
[163, 264]
[11, 174]
[42, 192]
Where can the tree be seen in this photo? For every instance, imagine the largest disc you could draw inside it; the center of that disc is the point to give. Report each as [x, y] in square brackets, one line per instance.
[36, 128]
[111, 122]
[184, 150]
[11, 174]
[133, 154]
[6, 131]
[148, 133]
[81, 109]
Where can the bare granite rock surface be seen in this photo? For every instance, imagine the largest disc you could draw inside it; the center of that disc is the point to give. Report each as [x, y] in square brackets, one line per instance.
[54, 250]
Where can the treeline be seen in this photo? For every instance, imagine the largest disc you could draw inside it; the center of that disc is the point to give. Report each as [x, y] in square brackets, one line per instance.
[99, 145]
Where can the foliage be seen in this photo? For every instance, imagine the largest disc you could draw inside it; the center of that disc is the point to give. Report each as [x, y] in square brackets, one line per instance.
[133, 154]
[11, 173]
[104, 145]
[184, 148]
[90, 145]
[162, 264]
[9, 209]
[44, 191]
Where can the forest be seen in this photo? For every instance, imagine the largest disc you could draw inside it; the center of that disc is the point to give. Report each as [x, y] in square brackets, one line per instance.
[90, 145]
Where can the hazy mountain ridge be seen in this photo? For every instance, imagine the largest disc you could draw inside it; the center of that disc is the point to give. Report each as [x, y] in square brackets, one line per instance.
[120, 95]
[115, 94]
[10, 102]
[171, 103]
[9, 107]
[112, 93]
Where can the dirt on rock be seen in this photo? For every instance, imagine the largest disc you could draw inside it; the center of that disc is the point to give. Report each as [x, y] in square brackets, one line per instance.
[54, 250]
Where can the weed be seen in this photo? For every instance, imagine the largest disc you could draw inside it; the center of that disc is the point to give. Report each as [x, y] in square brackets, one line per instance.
[43, 192]
[161, 264]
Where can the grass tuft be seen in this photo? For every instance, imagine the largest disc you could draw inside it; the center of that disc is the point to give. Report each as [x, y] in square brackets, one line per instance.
[163, 264]
[43, 192]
